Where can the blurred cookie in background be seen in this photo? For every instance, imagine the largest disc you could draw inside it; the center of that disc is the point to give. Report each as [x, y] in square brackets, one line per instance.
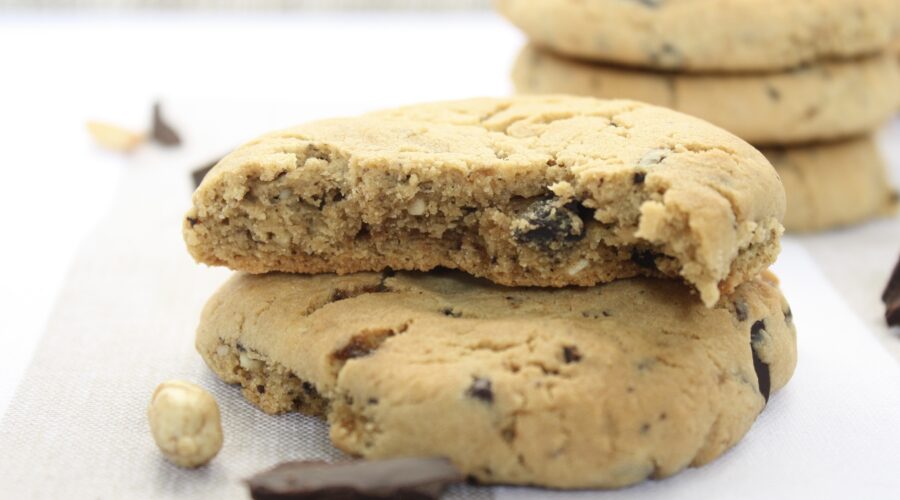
[815, 102]
[708, 35]
[833, 184]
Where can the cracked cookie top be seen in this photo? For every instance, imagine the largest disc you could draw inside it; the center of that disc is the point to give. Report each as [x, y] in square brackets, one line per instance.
[708, 35]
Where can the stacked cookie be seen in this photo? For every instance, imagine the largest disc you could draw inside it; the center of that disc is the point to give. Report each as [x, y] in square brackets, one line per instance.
[555, 291]
[807, 81]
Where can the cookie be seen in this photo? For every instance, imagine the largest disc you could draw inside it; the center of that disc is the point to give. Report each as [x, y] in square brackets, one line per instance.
[708, 35]
[590, 387]
[813, 103]
[531, 190]
[832, 185]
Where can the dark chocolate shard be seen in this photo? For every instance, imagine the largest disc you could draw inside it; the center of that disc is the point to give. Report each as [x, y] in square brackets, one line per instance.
[481, 389]
[891, 298]
[757, 331]
[162, 132]
[399, 478]
[200, 172]
[762, 374]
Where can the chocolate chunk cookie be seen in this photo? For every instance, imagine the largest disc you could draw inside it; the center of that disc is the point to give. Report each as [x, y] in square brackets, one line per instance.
[570, 388]
[708, 35]
[835, 184]
[816, 102]
[532, 190]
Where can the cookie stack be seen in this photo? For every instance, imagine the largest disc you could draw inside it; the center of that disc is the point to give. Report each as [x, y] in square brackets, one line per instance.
[808, 81]
[555, 291]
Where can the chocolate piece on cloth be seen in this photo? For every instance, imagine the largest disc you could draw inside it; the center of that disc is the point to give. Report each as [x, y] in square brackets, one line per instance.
[399, 478]
[891, 298]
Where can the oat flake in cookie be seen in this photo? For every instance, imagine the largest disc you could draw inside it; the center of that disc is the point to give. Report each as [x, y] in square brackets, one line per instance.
[708, 35]
[526, 191]
[576, 388]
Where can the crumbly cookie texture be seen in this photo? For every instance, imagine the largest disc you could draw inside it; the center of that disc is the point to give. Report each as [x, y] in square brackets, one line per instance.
[708, 35]
[833, 185]
[570, 388]
[532, 190]
[817, 102]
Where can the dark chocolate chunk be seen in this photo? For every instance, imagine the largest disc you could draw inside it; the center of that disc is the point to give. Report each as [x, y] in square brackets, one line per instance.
[261, 389]
[161, 131]
[398, 478]
[309, 388]
[644, 258]
[571, 354]
[192, 221]
[547, 225]
[788, 315]
[891, 298]
[200, 172]
[757, 330]
[762, 369]
[481, 389]
[639, 177]
[762, 374]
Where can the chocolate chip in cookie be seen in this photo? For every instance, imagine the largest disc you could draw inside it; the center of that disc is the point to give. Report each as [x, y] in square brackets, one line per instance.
[644, 258]
[757, 337]
[762, 374]
[757, 331]
[481, 389]
[548, 225]
[571, 354]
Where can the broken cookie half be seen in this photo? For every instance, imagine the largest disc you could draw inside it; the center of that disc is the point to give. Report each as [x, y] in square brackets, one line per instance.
[584, 387]
[524, 191]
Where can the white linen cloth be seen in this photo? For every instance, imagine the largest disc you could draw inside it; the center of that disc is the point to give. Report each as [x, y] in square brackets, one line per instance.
[125, 321]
